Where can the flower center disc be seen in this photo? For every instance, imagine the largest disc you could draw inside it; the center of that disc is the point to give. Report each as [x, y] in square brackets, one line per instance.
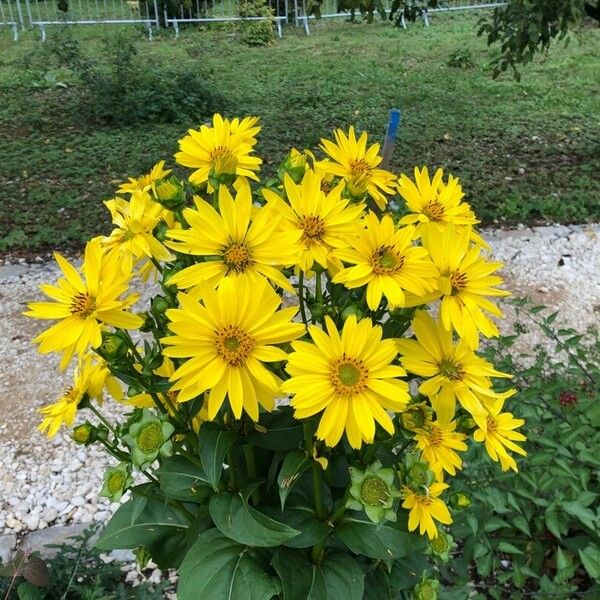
[435, 436]
[314, 228]
[385, 261]
[458, 281]
[223, 160]
[116, 482]
[374, 491]
[233, 345]
[83, 305]
[150, 438]
[237, 256]
[434, 210]
[491, 425]
[451, 370]
[349, 375]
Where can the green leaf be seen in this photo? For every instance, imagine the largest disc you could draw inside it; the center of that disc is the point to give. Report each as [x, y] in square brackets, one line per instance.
[585, 515]
[508, 548]
[214, 445]
[294, 464]
[344, 579]
[520, 522]
[28, 591]
[217, 568]
[312, 531]
[385, 542]
[244, 524]
[156, 525]
[377, 586]
[36, 571]
[283, 432]
[300, 579]
[590, 557]
[182, 480]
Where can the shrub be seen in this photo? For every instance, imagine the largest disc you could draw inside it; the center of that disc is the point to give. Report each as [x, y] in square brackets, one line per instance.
[255, 32]
[119, 88]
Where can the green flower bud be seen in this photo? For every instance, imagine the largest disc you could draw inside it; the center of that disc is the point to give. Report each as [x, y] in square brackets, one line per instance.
[148, 324]
[160, 231]
[417, 473]
[294, 165]
[85, 434]
[113, 346]
[148, 437]
[459, 500]
[159, 305]
[353, 309]
[426, 589]
[317, 310]
[373, 491]
[116, 481]
[442, 546]
[170, 193]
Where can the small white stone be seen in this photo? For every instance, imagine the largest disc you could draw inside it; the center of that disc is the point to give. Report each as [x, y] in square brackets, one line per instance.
[77, 501]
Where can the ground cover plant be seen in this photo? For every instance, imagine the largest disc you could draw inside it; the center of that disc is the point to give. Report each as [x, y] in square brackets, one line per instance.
[305, 380]
[526, 152]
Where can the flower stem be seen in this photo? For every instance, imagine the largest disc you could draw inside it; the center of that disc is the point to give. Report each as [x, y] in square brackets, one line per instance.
[301, 299]
[252, 473]
[102, 418]
[317, 475]
[233, 483]
[156, 264]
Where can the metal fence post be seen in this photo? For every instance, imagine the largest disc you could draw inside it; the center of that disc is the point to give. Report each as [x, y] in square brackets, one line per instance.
[20, 13]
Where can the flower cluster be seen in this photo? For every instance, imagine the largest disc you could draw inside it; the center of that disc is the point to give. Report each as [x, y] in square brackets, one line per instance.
[303, 305]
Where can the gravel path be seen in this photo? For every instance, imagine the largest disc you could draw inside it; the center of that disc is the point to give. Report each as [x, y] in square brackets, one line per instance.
[54, 482]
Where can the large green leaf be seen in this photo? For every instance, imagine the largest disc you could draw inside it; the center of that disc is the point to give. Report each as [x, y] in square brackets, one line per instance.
[312, 531]
[281, 431]
[214, 445]
[294, 464]
[385, 542]
[146, 522]
[217, 568]
[242, 523]
[300, 579]
[182, 480]
[590, 557]
[344, 579]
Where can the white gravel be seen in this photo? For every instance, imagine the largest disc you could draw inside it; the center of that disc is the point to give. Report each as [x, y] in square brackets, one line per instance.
[45, 483]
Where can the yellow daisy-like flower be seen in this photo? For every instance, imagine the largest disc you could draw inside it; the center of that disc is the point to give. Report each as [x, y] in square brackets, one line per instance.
[145, 182]
[358, 166]
[240, 241]
[133, 236]
[224, 148]
[439, 443]
[433, 201]
[350, 378]
[90, 378]
[466, 278]
[226, 337]
[425, 507]
[386, 262]
[322, 220]
[84, 305]
[497, 430]
[450, 371]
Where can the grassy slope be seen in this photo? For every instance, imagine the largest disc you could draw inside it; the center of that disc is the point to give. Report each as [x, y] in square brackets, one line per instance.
[526, 151]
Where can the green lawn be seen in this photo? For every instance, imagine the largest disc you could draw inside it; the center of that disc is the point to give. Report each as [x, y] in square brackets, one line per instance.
[525, 151]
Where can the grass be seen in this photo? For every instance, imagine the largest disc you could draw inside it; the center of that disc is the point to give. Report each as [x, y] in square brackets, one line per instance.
[526, 152]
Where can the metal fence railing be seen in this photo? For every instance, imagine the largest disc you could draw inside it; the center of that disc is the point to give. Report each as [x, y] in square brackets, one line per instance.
[207, 11]
[329, 9]
[21, 14]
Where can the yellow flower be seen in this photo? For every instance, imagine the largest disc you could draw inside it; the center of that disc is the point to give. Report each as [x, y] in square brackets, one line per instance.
[433, 201]
[438, 442]
[89, 378]
[145, 182]
[84, 305]
[358, 166]
[225, 340]
[322, 220]
[135, 220]
[497, 430]
[465, 281]
[450, 371]
[224, 148]
[386, 262]
[350, 378]
[238, 244]
[425, 507]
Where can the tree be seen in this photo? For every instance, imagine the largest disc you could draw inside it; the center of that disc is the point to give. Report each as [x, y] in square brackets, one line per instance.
[526, 27]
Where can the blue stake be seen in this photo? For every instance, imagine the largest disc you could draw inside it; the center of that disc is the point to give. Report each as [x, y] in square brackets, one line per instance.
[390, 137]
